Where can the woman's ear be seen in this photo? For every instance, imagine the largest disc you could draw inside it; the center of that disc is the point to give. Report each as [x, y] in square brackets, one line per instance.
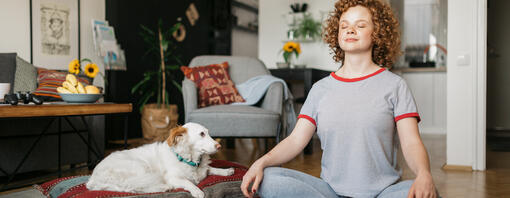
[176, 135]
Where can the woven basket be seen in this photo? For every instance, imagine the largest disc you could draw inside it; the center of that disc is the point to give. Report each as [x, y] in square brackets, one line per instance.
[157, 121]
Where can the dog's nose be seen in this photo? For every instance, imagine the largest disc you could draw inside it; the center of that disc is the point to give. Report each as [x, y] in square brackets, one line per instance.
[218, 146]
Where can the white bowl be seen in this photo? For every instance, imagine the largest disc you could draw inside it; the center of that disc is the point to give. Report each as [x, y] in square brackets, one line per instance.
[80, 98]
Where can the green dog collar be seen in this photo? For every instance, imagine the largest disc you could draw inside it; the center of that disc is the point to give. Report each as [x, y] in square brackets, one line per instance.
[189, 162]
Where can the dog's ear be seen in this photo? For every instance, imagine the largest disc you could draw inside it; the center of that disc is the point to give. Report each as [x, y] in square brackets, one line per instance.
[175, 134]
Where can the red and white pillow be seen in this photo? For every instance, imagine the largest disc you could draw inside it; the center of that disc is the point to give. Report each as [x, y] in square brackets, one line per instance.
[49, 80]
[214, 84]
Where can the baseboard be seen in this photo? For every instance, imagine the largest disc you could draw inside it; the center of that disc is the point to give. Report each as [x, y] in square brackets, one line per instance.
[457, 167]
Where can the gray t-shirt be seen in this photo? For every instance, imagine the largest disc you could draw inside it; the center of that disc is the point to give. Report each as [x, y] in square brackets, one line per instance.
[356, 123]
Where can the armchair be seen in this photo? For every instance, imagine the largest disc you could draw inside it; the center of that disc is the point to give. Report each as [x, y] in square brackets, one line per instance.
[263, 120]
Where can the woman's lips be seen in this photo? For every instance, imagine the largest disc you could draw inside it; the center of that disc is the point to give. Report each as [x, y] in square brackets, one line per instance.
[351, 40]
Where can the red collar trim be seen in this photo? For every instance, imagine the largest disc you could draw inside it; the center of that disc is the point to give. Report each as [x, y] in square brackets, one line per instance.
[356, 79]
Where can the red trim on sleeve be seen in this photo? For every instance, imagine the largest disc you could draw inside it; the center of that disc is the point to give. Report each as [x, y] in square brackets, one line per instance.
[356, 79]
[407, 115]
[308, 118]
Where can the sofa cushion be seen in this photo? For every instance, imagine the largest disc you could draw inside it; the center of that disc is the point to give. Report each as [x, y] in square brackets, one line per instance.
[214, 84]
[26, 76]
[236, 120]
[7, 68]
[212, 185]
[49, 80]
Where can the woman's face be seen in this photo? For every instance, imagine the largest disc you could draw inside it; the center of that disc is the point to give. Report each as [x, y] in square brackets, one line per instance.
[355, 30]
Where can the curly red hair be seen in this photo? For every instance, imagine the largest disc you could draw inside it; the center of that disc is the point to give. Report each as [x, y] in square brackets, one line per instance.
[385, 38]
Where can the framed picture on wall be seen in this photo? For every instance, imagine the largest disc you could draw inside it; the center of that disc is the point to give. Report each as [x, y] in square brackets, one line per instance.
[55, 32]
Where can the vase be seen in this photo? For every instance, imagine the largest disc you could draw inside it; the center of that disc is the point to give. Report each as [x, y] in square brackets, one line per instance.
[296, 62]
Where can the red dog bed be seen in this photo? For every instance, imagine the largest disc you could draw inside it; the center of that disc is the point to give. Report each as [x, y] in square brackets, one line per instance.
[212, 185]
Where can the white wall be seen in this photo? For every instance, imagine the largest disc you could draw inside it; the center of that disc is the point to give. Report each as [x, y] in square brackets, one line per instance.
[462, 82]
[91, 9]
[15, 34]
[273, 31]
[429, 91]
[244, 43]
[15, 23]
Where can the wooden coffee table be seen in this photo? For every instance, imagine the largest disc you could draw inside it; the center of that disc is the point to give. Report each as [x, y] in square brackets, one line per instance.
[61, 111]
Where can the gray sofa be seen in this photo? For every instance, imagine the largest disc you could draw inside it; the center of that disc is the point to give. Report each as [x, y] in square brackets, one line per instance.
[263, 120]
[18, 134]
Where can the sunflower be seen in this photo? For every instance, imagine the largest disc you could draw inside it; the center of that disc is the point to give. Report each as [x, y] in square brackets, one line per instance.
[74, 66]
[289, 46]
[91, 70]
[298, 48]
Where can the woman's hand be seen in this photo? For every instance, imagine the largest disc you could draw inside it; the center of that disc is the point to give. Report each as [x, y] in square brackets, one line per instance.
[423, 187]
[254, 175]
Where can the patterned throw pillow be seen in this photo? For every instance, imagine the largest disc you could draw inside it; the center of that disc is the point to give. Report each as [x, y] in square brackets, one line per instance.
[214, 84]
[212, 185]
[49, 80]
[26, 76]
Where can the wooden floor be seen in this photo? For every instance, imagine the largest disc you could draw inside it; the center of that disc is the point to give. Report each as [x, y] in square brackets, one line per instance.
[495, 182]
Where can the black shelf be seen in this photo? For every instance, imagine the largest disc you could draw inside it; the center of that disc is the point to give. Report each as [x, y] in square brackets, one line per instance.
[247, 29]
[245, 6]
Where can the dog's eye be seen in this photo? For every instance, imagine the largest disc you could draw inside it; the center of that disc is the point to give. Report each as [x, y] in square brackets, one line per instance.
[202, 134]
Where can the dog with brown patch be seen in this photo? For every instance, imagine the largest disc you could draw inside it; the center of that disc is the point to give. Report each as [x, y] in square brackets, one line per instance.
[182, 161]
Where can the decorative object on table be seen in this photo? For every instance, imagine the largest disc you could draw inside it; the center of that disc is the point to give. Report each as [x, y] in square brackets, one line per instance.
[49, 80]
[80, 98]
[55, 34]
[159, 118]
[4, 89]
[282, 65]
[73, 91]
[215, 87]
[91, 69]
[290, 52]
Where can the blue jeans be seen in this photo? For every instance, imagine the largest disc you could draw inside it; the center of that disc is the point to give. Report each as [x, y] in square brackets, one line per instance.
[282, 182]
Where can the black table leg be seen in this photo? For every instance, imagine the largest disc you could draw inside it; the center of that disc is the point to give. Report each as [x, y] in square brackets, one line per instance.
[59, 147]
[126, 131]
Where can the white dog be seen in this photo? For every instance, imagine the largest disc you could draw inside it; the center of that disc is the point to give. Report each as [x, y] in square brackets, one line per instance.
[180, 162]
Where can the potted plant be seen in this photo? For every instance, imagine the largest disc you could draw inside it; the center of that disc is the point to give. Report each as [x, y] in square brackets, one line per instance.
[160, 117]
[308, 28]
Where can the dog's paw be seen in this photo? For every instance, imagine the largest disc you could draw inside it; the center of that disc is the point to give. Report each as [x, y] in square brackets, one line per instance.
[197, 193]
[229, 171]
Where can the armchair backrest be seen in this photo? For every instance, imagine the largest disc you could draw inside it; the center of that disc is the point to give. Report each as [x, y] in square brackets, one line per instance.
[241, 68]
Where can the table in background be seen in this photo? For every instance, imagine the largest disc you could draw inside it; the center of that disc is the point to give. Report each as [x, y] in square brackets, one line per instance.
[59, 111]
[308, 76]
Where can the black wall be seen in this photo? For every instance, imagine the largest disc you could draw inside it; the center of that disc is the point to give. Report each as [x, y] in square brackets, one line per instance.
[211, 34]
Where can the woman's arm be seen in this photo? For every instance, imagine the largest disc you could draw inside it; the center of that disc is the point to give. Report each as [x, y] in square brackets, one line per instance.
[283, 152]
[416, 158]
[291, 146]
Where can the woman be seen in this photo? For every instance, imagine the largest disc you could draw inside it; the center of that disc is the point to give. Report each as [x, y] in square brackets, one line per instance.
[355, 111]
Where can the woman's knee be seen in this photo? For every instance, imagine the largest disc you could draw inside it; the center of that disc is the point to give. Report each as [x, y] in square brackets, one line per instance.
[273, 180]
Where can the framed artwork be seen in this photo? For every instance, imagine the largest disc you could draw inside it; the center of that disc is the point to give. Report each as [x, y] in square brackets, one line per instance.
[55, 32]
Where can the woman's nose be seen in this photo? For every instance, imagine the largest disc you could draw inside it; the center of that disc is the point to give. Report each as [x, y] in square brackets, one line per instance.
[350, 30]
[218, 146]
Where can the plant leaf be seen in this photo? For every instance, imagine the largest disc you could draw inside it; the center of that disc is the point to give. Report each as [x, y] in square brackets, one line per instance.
[286, 56]
[137, 85]
[147, 30]
[144, 99]
[177, 85]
